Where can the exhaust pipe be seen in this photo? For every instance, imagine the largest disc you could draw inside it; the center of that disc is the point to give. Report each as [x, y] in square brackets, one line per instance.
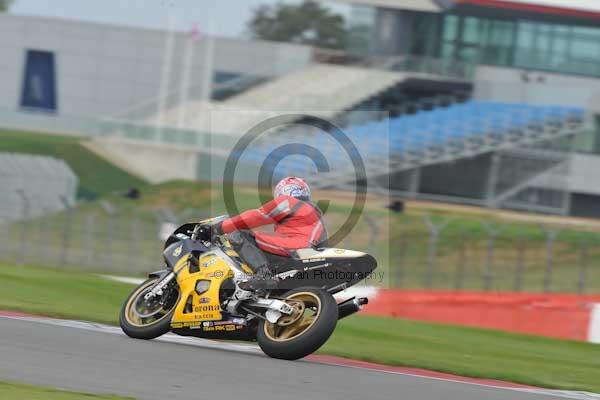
[351, 306]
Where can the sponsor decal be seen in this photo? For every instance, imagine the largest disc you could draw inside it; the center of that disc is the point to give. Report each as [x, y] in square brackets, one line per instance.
[191, 325]
[235, 321]
[340, 251]
[203, 300]
[225, 326]
[317, 266]
[313, 260]
[207, 316]
[210, 262]
[216, 274]
[212, 307]
[288, 274]
[177, 251]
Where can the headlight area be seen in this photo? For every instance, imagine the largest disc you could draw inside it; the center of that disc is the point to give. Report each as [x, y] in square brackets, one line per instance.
[202, 286]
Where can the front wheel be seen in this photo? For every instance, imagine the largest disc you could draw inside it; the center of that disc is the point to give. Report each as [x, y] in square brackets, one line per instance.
[148, 319]
[305, 330]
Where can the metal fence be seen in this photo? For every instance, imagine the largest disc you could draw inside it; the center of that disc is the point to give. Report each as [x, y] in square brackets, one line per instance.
[413, 251]
[101, 238]
[496, 257]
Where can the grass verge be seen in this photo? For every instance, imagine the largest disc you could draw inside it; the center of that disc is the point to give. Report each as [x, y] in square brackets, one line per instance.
[10, 390]
[460, 350]
[64, 294]
[480, 353]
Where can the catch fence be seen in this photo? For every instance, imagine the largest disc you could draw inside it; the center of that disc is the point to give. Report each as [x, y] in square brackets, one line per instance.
[413, 251]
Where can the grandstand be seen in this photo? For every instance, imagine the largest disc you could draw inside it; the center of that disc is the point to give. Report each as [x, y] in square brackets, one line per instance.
[486, 103]
[441, 134]
[412, 141]
[34, 185]
[397, 144]
[326, 88]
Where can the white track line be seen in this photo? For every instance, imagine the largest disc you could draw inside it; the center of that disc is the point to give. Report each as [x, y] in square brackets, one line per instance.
[123, 279]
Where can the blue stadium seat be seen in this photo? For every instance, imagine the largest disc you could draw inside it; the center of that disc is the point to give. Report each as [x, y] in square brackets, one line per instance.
[455, 124]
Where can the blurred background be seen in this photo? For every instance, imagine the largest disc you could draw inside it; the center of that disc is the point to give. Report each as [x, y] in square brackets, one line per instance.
[478, 123]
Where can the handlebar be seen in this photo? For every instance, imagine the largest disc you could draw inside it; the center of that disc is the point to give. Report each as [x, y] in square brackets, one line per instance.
[202, 232]
[196, 231]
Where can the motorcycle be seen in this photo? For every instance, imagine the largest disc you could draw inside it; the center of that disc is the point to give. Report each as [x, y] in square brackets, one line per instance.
[197, 294]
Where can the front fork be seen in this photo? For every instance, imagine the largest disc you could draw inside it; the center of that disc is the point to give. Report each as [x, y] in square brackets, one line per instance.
[164, 280]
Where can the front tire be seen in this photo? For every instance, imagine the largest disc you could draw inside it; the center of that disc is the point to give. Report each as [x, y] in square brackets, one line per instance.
[133, 322]
[290, 339]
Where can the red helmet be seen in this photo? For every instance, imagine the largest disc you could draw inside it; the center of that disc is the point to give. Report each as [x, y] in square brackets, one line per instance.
[294, 187]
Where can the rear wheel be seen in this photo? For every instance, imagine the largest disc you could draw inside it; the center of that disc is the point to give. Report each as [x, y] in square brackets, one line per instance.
[311, 323]
[148, 319]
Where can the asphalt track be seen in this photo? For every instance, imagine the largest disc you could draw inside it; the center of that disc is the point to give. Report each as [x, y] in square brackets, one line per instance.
[98, 359]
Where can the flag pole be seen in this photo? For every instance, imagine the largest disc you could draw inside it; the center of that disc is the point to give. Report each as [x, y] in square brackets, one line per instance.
[209, 55]
[186, 76]
[166, 77]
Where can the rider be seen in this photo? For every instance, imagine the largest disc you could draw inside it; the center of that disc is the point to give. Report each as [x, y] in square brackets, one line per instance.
[298, 223]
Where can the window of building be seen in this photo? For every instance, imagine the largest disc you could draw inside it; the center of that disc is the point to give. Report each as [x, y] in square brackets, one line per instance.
[585, 49]
[589, 141]
[525, 46]
[39, 81]
[450, 28]
[559, 56]
[471, 31]
[497, 39]
[522, 43]
[361, 24]
[425, 33]
[468, 54]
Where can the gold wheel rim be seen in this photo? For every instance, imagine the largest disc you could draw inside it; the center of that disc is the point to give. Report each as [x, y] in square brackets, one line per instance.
[307, 309]
[135, 320]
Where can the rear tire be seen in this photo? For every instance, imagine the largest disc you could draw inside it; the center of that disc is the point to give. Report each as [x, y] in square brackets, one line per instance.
[141, 331]
[309, 340]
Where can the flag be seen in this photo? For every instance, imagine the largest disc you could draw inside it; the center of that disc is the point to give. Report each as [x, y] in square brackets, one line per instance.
[195, 34]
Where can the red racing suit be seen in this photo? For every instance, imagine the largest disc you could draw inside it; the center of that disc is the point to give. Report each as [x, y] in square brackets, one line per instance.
[298, 224]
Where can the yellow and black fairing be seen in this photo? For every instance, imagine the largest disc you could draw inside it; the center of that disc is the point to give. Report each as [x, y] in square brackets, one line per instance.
[204, 278]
